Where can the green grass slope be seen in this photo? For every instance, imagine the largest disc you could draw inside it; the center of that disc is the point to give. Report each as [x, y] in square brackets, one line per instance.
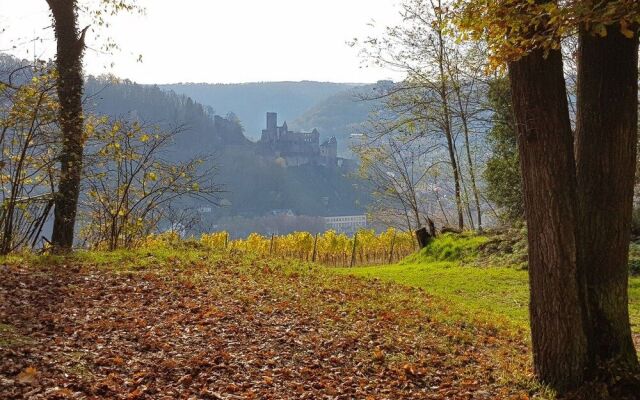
[454, 268]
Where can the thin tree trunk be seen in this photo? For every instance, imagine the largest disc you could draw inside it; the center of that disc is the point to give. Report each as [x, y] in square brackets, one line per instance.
[606, 138]
[454, 161]
[447, 128]
[69, 86]
[465, 128]
[545, 144]
[467, 203]
[472, 172]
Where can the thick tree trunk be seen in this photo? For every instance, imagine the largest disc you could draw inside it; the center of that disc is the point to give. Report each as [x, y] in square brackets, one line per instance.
[70, 84]
[606, 137]
[545, 144]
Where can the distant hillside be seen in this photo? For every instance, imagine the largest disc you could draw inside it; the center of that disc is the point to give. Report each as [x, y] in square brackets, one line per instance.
[250, 101]
[204, 132]
[254, 186]
[340, 115]
[258, 186]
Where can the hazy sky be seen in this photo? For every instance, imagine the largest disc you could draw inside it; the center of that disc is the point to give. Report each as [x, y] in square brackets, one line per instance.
[219, 40]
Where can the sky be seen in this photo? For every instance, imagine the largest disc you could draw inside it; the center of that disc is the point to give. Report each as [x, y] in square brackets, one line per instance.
[217, 41]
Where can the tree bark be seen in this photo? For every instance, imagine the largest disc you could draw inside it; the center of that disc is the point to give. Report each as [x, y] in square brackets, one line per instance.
[605, 145]
[70, 46]
[545, 144]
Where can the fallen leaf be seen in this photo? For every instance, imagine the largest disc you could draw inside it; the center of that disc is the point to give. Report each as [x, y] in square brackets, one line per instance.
[28, 376]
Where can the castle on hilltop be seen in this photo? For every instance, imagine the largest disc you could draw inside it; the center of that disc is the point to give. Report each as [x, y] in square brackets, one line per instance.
[296, 148]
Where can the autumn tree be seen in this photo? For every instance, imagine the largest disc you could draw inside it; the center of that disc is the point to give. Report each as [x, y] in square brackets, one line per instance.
[69, 54]
[441, 94]
[130, 187]
[29, 143]
[578, 186]
[70, 46]
[398, 171]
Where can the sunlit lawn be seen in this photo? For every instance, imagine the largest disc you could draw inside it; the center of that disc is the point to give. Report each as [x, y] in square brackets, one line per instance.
[495, 293]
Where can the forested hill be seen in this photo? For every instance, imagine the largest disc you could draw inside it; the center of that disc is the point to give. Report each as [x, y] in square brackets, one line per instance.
[340, 114]
[305, 190]
[250, 101]
[202, 130]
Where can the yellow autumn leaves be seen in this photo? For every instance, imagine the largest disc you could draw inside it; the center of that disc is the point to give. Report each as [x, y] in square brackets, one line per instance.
[331, 247]
[513, 28]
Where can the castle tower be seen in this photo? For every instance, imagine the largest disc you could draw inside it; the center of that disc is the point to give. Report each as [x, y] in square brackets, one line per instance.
[329, 150]
[272, 122]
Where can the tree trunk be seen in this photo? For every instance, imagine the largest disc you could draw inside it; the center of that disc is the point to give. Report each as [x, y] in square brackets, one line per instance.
[606, 137]
[70, 46]
[423, 237]
[446, 114]
[432, 227]
[545, 144]
[456, 178]
[472, 173]
[467, 203]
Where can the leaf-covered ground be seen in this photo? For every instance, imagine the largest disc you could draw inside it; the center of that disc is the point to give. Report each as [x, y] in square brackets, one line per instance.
[237, 327]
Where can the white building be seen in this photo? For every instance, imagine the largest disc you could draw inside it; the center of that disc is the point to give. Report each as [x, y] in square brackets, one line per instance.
[346, 224]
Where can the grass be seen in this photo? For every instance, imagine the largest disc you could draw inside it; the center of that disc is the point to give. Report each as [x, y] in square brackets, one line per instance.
[9, 337]
[455, 269]
[490, 293]
[634, 304]
[449, 247]
[448, 269]
[6, 334]
[121, 260]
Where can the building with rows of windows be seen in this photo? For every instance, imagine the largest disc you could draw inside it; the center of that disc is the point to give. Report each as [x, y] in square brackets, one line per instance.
[348, 224]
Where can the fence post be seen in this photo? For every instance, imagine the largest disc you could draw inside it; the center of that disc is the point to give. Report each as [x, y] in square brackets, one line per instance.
[393, 242]
[353, 251]
[271, 244]
[315, 249]
[226, 240]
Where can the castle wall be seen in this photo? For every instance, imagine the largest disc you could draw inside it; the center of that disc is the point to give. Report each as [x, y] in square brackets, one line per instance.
[297, 148]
